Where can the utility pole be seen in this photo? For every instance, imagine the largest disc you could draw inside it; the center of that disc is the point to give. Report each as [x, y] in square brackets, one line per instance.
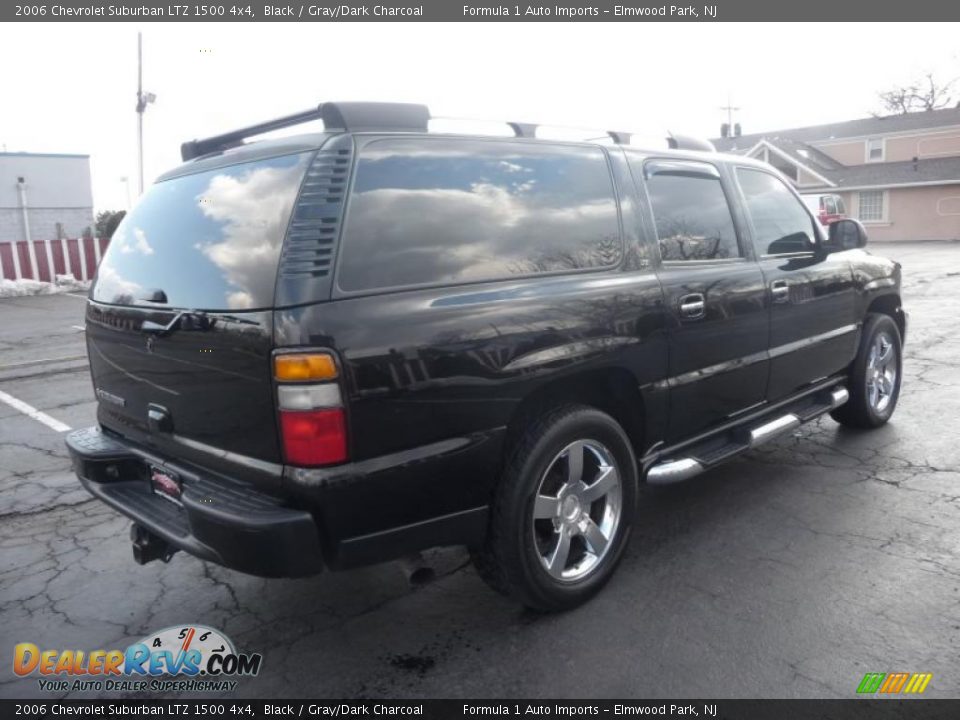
[143, 99]
[730, 110]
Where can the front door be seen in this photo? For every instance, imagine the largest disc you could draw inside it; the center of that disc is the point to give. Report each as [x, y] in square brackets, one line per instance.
[715, 295]
[813, 324]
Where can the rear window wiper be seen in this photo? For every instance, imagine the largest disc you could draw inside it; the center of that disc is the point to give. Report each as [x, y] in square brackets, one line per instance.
[199, 321]
[203, 323]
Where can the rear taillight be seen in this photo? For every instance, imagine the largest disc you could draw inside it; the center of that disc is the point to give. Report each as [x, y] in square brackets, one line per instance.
[312, 422]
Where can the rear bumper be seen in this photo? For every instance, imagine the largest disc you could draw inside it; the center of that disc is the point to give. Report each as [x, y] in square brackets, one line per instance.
[221, 521]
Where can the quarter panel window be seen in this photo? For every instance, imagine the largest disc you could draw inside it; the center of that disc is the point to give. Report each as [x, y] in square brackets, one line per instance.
[442, 211]
[781, 224]
[692, 216]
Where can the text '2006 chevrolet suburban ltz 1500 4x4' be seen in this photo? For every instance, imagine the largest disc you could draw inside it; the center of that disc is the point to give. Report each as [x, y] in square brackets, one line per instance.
[334, 349]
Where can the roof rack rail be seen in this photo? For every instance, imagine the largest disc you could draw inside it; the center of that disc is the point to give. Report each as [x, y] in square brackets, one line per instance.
[390, 117]
[686, 142]
[335, 115]
[529, 130]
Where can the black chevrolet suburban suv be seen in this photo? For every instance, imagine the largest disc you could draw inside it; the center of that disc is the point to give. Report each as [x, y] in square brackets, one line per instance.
[339, 348]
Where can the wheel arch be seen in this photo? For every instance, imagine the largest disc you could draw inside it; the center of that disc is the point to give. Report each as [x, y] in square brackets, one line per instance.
[890, 304]
[613, 390]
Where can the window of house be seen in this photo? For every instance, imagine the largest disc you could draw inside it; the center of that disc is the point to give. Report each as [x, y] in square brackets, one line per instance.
[691, 213]
[874, 149]
[781, 223]
[871, 206]
[433, 211]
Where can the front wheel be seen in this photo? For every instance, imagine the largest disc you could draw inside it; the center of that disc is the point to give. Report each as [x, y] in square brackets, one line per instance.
[562, 513]
[875, 375]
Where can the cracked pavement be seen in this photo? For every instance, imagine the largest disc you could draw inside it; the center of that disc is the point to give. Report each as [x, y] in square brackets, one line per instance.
[790, 572]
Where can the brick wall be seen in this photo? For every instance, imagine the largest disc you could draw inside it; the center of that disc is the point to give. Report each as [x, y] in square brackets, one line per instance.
[43, 223]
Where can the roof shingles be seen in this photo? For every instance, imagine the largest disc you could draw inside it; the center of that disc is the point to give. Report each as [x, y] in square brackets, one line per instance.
[795, 143]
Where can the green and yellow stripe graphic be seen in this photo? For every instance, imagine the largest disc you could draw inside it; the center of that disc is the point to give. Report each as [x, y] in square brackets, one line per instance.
[894, 683]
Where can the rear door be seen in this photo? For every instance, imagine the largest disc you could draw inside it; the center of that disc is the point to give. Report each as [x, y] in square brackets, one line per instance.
[813, 324]
[714, 294]
[179, 324]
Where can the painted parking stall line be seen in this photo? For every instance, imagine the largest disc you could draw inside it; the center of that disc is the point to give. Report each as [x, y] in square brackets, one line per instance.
[32, 412]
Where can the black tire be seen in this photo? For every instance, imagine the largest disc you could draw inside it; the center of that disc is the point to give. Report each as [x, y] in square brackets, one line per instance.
[510, 561]
[860, 411]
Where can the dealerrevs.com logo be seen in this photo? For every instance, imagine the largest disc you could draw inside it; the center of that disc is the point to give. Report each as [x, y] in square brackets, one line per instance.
[176, 659]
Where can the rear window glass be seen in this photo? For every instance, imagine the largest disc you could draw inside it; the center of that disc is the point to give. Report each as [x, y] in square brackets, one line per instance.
[438, 211]
[209, 241]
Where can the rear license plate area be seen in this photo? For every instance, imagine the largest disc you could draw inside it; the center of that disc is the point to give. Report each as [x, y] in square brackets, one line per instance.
[166, 484]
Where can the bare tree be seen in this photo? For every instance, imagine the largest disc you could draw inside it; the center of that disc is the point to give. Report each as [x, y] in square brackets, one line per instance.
[923, 94]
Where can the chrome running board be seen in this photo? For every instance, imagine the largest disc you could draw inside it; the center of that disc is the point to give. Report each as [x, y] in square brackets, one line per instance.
[707, 453]
[671, 471]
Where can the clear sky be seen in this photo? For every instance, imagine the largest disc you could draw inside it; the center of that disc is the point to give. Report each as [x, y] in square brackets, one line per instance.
[71, 87]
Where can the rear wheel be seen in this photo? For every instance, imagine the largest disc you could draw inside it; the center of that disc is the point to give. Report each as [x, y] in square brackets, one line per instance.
[563, 510]
[875, 375]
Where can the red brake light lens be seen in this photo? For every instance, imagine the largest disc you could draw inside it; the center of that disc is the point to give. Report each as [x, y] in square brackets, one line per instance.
[314, 437]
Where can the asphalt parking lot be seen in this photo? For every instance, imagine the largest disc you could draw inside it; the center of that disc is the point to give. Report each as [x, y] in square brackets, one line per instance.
[788, 573]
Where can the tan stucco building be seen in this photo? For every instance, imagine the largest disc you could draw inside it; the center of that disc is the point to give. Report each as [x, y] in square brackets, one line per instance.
[899, 174]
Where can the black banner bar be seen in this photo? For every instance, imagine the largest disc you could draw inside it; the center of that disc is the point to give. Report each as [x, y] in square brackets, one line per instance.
[479, 11]
[871, 709]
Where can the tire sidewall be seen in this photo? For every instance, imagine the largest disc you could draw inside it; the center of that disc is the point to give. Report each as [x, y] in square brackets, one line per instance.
[580, 424]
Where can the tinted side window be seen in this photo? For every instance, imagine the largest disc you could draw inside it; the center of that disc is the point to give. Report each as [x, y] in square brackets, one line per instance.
[691, 212]
[781, 225]
[438, 211]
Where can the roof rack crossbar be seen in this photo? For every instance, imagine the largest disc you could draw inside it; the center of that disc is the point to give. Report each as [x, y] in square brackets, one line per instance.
[620, 137]
[686, 142]
[335, 116]
[195, 148]
[523, 130]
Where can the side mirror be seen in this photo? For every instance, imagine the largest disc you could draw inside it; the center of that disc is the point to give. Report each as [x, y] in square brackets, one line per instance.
[846, 234]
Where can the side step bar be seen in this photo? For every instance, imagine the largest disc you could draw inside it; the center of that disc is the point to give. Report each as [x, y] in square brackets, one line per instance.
[676, 469]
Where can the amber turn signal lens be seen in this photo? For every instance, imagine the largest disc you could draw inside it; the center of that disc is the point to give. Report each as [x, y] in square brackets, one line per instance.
[297, 366]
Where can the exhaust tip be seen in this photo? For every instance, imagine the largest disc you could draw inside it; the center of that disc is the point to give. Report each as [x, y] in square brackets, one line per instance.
[417, 570]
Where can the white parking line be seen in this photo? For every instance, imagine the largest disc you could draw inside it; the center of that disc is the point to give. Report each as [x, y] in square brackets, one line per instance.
[82, 297]
[42, 361]
[78, 327]
[32, 412]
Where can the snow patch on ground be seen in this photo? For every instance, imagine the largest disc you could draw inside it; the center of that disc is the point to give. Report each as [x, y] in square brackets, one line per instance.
[64, 283]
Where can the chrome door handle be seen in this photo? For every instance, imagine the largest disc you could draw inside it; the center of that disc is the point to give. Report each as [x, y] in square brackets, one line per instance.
[693, 306]
[780, 291]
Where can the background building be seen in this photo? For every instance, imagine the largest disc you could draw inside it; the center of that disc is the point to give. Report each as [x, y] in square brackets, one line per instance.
[899, 174]
[46, 209]
[56, 192]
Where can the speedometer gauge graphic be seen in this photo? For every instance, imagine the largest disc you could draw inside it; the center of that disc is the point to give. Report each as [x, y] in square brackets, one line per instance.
[181, 639]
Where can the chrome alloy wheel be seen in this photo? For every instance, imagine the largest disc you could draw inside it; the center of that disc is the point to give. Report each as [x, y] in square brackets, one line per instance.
[577, 510]
[881, 372]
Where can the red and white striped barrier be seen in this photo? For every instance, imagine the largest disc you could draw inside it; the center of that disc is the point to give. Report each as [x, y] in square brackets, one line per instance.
[68, 256]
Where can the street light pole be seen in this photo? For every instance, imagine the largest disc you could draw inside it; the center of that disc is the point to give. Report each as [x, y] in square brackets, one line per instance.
[143, 99]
